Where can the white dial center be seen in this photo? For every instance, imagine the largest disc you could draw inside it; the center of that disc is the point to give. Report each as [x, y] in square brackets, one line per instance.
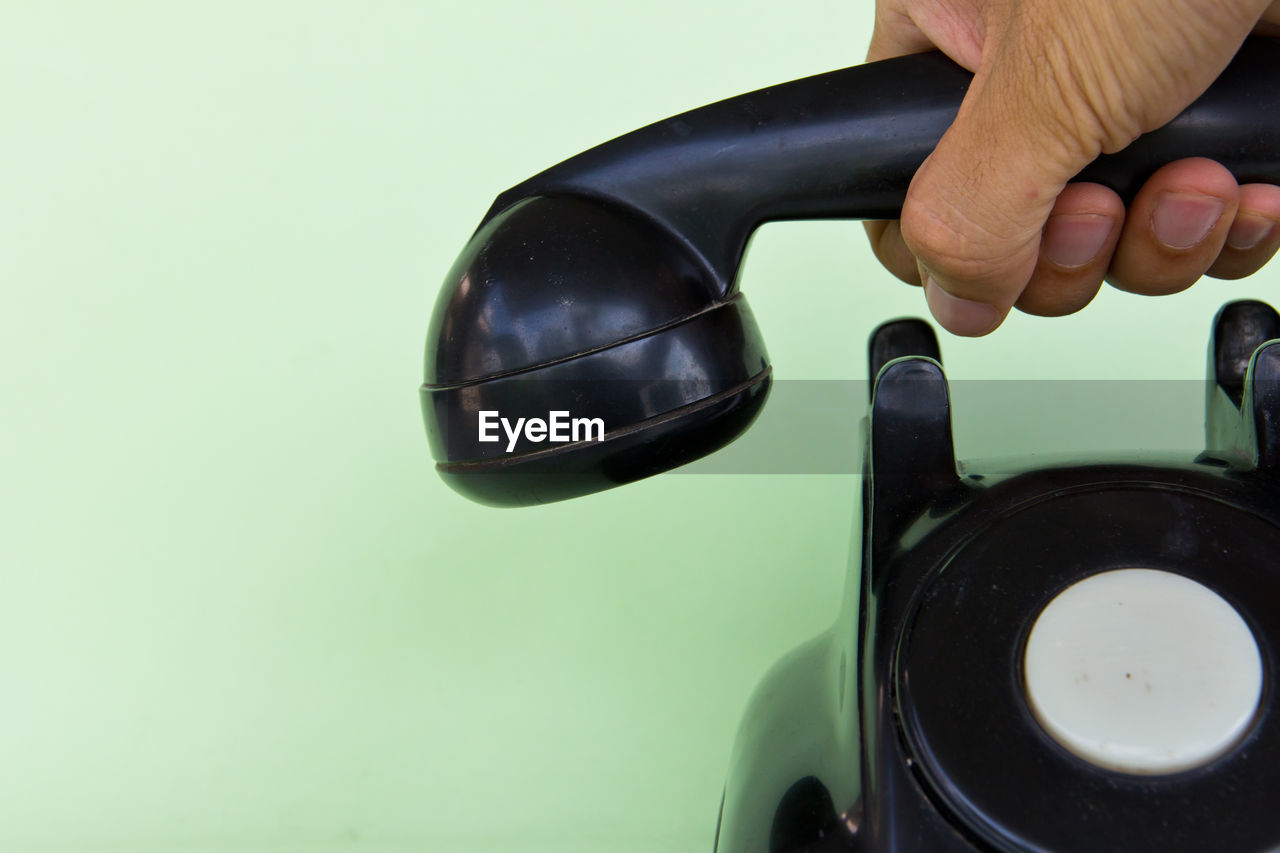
[1142, 671]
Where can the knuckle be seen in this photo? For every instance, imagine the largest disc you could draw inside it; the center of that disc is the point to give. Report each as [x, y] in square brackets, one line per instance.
[953, 243]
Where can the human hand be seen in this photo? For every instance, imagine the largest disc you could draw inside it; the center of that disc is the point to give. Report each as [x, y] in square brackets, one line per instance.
[990, 222]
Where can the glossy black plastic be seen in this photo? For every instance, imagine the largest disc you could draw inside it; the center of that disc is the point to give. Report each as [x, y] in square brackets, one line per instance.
[904, 729]
[632, 239]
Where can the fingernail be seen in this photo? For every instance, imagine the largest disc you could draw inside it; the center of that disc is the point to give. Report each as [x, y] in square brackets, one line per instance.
[1074, 239]
[1183, 220]
[960, 316]
[1248, 231]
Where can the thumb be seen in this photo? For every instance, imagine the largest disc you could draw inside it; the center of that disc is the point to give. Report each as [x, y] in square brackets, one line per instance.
[974, 212]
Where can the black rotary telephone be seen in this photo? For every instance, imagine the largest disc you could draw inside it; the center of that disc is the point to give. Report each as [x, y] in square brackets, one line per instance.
[1070, 658]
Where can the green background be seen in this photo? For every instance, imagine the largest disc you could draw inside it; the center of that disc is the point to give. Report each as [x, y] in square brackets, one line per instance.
[238, 610]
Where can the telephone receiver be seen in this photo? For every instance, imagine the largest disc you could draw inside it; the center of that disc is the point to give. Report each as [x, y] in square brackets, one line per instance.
[592, 333]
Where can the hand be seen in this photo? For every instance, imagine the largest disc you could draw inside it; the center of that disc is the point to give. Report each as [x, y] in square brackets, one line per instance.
[989, 221]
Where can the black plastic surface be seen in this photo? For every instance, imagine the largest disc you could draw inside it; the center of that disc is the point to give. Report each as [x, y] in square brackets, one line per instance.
[909, 716]
[637, 236]
[846, 144]
[963, 705]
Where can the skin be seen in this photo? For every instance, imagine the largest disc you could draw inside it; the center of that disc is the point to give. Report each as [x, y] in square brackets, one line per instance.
[990, 222]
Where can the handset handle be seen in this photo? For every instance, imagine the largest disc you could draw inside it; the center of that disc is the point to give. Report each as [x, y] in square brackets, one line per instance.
[846, 144]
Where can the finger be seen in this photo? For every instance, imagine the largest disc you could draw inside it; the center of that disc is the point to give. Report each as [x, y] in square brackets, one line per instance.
[895, 34]
[1254, 237]
[973, 216]
[1176, 227]
[1075, 251]
[976, 208]
[1270, 23]
[886, 241]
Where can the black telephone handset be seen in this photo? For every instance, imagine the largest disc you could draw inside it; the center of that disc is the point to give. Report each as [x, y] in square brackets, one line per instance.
[591, 332]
